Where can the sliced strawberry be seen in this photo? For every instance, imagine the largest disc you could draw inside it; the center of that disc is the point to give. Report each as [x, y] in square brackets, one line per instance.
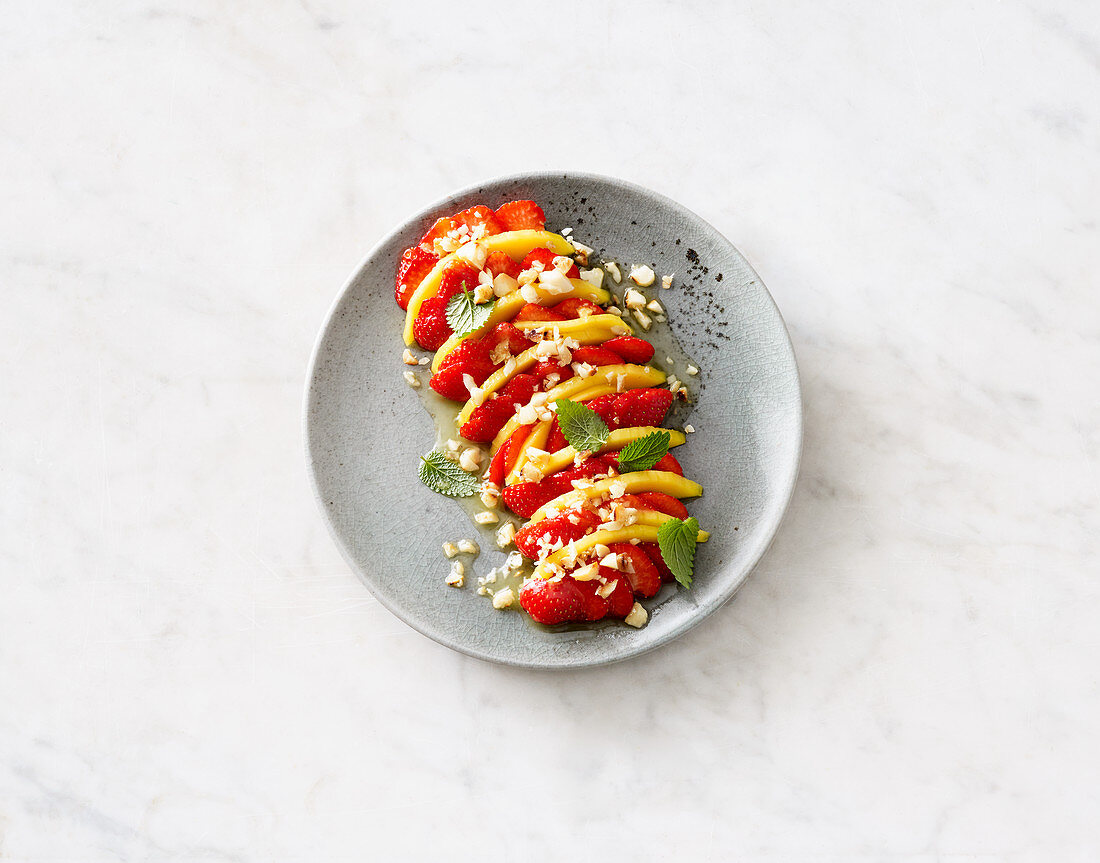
[521, 216]
[562, 528]
[488, 419]
[471, 218]
[595, 606]
[546, 258]
[506, 332]
[645, 407]
[653, 552]
[596, 356]
[524, 498]
[666, 503]
[430, 329]
[414, 265]
[631, 348]
[550, 367]
[605, 407]
[621, 599]
[556, 440]
[505, 457]
[645, 579]
[575, 307]
[499, 262]
[471, 358]
[551, 602]
[535, 312]
[668, 463]
[457, 277]
[468, 352]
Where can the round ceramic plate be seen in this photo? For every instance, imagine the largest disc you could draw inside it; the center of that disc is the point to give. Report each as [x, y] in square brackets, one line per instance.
[365, 428]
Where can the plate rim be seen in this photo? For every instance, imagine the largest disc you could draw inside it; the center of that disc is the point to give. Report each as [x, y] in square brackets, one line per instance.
[440, 638]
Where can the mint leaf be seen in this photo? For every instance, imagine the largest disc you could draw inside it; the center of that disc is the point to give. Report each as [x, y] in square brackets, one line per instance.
[677, 540]
[643, 453]
[442, 475]
[464, 315]
[581, 425]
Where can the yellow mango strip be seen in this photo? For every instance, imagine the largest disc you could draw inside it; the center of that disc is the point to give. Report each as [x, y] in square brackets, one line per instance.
[515, 244]
[576, 549]
[508, 307]
[604, 381]
[572, 328]
[537, 438]
[615, 441]
[641, 480]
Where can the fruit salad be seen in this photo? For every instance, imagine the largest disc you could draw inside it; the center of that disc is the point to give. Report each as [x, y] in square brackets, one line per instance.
[562, 409]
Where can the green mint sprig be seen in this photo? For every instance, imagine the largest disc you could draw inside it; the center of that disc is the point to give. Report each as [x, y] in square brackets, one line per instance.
[581, 425]
[442, 475]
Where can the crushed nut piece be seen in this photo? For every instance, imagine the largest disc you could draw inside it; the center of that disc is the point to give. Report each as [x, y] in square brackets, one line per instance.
[637, 617]
[470, 460]
[407, 358]
[505, 534]
[634, 299]
[644, 321]
[412, 380]
[594, 277]
[468, 546]
[450, 549]
[689, 429]
[613, 268]
[487, 517]
[503, 598]
[666, 281]
[655, 306]
[642, 275]
[691, 370]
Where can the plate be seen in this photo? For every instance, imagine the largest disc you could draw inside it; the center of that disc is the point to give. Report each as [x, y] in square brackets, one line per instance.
[365, 428]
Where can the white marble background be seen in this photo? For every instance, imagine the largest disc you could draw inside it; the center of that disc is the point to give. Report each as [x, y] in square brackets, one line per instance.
[188, 671]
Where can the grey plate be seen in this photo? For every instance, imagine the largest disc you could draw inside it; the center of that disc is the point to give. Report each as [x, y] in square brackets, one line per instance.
[365, 428]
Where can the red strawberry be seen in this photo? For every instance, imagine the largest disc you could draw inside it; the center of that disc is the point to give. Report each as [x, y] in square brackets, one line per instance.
[653, 552]
[556, 440]
[564, 528]
[471, 218]
[551, 602]
[645, 579]
[621, 599]
[596, 356]
[595, 606]
[415, 264]
[646, 407]
[506, 332]
[666, 503]
[505, 457]
[471, 357]
[546, 258]
[524, 498]
[668, 463]
[499, 262]
[488, 419]
[575, 307]
[605, 407]
[631, 349]
[430, 329]
[470, 351]
[550, 367]
[521, 215]
[457, 277]
[535, 312]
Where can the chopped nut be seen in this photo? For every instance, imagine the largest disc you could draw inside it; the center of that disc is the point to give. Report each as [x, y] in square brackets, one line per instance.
[655, 306]
[582, 252]
[456, 579]
[527, 415]
[634, 299]
[637, 617]
[503, 598]
[468, 546]
[483, 293]
[554, 282]
[490, 495]
[689, 429]
[601, 550]
[587, 573]
[505, 534]
[504, 284]
[412, 380]
[473, 252]
[470, 460]
[487, 517]
[562, 264]
[691, 370]
[614, 310]
[407, 358]
[642, 275]
[423, 361]
[452, 444]
[458, 568]
[450, 549]
[611, 561]
[594, 277]
[644, 321]
[666, 281]
[613, 268]
[531, 472]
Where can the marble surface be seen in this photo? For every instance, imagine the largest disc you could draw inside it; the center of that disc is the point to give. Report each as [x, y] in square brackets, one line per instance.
[188, 671]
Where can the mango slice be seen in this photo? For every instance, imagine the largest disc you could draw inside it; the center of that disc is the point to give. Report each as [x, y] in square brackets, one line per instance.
[642, 480]
[508, 307]
[615, 441]
[593, 332]
[604, 381]
[575, 326]
[537, 438]
[515, 244]
[643, 532]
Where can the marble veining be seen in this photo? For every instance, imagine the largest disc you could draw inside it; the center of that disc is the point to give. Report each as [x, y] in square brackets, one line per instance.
[188, 669]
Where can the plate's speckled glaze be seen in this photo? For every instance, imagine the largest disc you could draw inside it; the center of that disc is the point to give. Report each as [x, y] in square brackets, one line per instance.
[365, 428]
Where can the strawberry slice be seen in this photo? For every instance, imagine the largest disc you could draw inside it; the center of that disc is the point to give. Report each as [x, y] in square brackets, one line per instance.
[595, 355]
[575, 307]
[550, 367]
[457, 277]
[644, 579]
[653, 552]
[524, 498]
[595, 606]
[430, 329]
[551, 602]
[644, 407]
[521, 216]
[666, 503]
[562, 528]
[471, 358]
[471, 218]
[505, 458]
[631, 348]
[470, 351]
[605, 407]
[535, 312]
[556, 440]
[546, 258]
[488, 419]
[499, 262]
[414, 265]
[507, 332]
[621, 599]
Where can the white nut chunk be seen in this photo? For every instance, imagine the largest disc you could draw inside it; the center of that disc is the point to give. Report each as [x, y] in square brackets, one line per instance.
[470, 460]
[483, 293]
[408, 359]
[506, 533]
[594, 277]
[412, 380]
[655, 306]
[634, 299]
[487, 517]
[642, 275]
[450, 549]
[468, 546]
[613, 268]
[637, 617]
[666, 282]
[503, 598]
